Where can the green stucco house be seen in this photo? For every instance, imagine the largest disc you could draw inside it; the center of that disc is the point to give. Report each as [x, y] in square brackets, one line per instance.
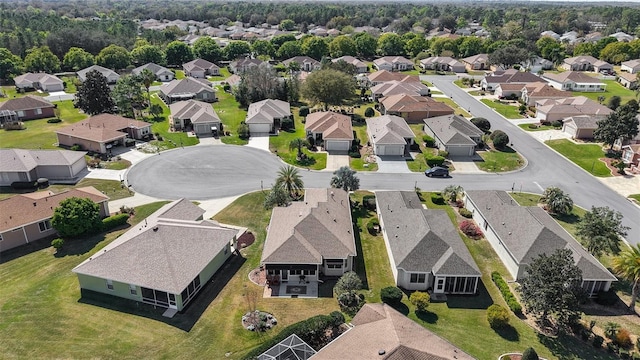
[163, 261]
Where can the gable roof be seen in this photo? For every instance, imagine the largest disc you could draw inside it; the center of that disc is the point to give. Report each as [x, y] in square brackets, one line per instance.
[165, 253]
[410, 103]
[199, 64]
[19, 160]
[453, 129]
[306, 232]
[301, 60]
[154, 68]
[389, 129]
[102, 127]
[631, 63]
[332, 125]
[392, 60]
[351, 60]
[197, 111]
[186, 86]
[582, 59]
[481, 58]
[245, 62]
[400, 87]
[82, 74]
[583, 121]
[20, 210]
[528, 231]
[422, 240]
[575, 76]
[42, 78]
[542, 89]
[265, 111]
[513, 76]
[28, 102]
[573, 105]
[385, 75]
[380, 327]
[441, 60]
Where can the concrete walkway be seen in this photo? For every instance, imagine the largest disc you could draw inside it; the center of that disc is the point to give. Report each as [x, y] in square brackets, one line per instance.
[259, 142]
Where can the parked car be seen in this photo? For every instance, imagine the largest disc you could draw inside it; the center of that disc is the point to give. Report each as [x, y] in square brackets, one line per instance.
[437, 171]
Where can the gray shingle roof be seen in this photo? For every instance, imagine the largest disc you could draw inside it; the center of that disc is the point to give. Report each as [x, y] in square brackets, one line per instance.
[422, 240]
[82, 74]
[453, 130]
[389, 129]
[186, 86]
[26, 103]
[14, 160]
[154, 68]
[198, 111]
[265, 111]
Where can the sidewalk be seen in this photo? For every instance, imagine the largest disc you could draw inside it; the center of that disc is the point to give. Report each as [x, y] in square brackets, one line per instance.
[211, 207]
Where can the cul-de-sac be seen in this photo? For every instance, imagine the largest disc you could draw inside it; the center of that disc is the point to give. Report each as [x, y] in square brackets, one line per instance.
[319, 180]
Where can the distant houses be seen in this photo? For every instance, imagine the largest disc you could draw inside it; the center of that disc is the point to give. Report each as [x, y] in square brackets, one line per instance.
[162, 73]
[38, 81]
[111, 76]
[28, 107]
[574, 81]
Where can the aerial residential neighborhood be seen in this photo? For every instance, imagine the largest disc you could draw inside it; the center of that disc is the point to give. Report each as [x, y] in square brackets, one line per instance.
[312, 180]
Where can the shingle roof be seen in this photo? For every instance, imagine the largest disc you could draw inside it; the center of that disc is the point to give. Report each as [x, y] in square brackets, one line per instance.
[453, 130]
[265, 111]
[631, 63]
[583, 121]
[332, 125]
[400, 87]
[384, 75]
[154, 68]
[513, 76]
[20, 210]
[102, 127]
[482, 58]
[380, 327]
[187, 85]
[409, 103]
[441, 60]
[351, 60]
[575, 76]
[42, 78]
[389, 129]
[392, 60]
[198, 111]
[528, 231]
[301, 60]
[580, 60]
[579, 105]
[15, 160]
[422, 240]
[162, 253]
[82, 74]
[26, 103]
[541, 89]
[306, 232]
[199, 64]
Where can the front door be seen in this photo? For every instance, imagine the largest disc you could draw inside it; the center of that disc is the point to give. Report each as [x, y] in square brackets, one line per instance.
[285, 275]
[439, 285]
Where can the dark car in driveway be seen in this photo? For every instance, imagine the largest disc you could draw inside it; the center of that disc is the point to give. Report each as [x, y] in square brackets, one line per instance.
[438, 171]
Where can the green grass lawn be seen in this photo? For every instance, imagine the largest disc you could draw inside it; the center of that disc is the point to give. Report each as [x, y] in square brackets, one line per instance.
[536, 127]
[584, 155]
[224, 73]
[419, 164]
[116, 164]
[10, 93]
[636, 197]
[508, 111]
[613, 89]
[280, 146]
[358, 164]
[415, 72]
[111, 188]
[454, 105]
[477, 93]
[500, 161]
[170, 139]
[39, 134]
[179, 74]
[70, 85]
[231, 115]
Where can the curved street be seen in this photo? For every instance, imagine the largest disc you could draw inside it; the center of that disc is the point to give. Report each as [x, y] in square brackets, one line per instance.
[218, 171]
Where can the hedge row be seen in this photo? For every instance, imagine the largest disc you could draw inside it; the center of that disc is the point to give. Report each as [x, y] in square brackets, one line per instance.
[508, 296]
[114, 221]
[307, 330]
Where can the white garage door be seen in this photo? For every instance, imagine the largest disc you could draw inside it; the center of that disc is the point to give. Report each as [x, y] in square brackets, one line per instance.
[335, 145]
[259, 128]
[569, 129]
[460, 150]
[205, 129]
[389, 150]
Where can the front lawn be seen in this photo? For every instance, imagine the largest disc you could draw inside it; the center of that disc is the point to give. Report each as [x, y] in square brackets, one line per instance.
[506, 110]
[170, 140]
[111, 188]
[500, 161]
[10, 93]
[39, 134]
[584, 155]
[636, 197]
[419, 164]
[536, 127]
[454, 105]
[280, 146]
[613, 89]
[231, 115]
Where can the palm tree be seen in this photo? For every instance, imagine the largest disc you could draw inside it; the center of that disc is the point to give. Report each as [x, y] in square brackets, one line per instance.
[557, 201]
[290, 180]
[298, 144]
[627, 265]
[451, 192]
[147, 78]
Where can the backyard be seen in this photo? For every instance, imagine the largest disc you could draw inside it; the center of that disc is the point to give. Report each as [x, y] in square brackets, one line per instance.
[613, 89]
[587, 156]
[506, 110]
[231, 115]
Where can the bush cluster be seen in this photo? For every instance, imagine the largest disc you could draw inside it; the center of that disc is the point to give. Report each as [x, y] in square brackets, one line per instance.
[428, 141]
[434, 160]
[54, 121]
[369, 112]
[508, 296]
[391, 295]
[465, 213]
[57, 243]
[303, 111]
[500, 139]
[437, 198]
[481, 123]
[497, 316]
[443, 153]
[371, 226]
[420, 300]
[470, 229]
[369, 202]
[597, 341]
[114, 221]
[623, 339]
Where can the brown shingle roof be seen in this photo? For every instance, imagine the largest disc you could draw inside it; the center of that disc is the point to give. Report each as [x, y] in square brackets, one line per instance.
[102, 127]
[332, 125]
[26, 103]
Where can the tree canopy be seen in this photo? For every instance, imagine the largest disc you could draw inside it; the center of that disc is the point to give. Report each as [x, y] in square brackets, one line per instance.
[627, 266]
[94, 96]
[77, 59]
[76, 216]
[556, 201]
[114, 57]
[329, 87]
[41, 59]
[622, 123]
[600, 230]
[178, 53]
[145, 54]
[344, 178]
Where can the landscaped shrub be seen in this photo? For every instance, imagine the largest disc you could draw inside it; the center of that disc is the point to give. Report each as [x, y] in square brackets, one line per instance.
[481, 123]
[437, 198]
[497, 316]
[114, 221]
[76, 147]
[337, 318]
[607, 298]
[470, 229]
[532, 126]
[350, 281]
[435, 161]
[303, 111]
[624, 354]
[369, 112]
[500, 139]
[54, 121]
[508, 296]
[428, 141]
[391, 295]
[243, 131]
[443, 153]
[530, 354]
[369, 202]
[623, 339]
[465, 213]
[286, 124]
[57, 243]
[556, 124]
[355, 154]
[522, 109]
[597, 341]
[373, 226]
[350, 302]
[420, 300]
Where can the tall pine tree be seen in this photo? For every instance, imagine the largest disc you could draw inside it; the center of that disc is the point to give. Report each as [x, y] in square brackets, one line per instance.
[94, 95]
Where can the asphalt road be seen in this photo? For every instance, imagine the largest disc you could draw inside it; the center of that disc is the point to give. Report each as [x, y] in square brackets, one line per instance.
[209, 172]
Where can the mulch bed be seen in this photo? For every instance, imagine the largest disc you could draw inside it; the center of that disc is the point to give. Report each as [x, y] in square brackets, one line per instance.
[246, 239]
[608, 161]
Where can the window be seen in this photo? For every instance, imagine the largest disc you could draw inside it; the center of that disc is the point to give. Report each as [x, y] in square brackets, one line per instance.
[110, 285]
[133, 289]
[44, 225]
[295, 272]
[418, 278]
[308, 272]
[20, 114]
[334, 264]
[38, 111]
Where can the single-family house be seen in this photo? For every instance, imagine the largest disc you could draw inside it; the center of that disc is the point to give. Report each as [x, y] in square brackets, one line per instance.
[361, 67]
[381, 332]
[331, 129]
[424, 248]
[29, 107]
[196, 116]
[413, 108]
[628, 80]
[111, 76]
[241, 65]
[442, 63]
[38, 81]
[303, 63]
[309, 239]
[585, 63]
[549, 110]
[162, 73]
[58, 166]
[476, 62]
[186, 89]
[580, 126]
[631, 66]
[399, 87]
[532, 92]
[200, 68]
[382, 76]
[265, 116]
[453, 134]
[389, 135]
[519, 234]
[233, 80]
[26, 218]
[393, 63]
[164, 262]
[574, 81]
[622, 36]
[505, 91]
[631, 155]
[570, 37]
[536, 64]
[509, 76]
[99, 133]
[8, 117]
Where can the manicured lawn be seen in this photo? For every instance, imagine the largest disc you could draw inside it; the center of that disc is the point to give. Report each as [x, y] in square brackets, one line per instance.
[179, 74]
[111, 188]
[70, 87]
[224, 73]
[636, 197]
[10, 93]
[39, 134]
[613, 89]
[170, 139]
[280, 146]
[412, 72]
[454, 105]
[477, 93]
[231, 115]
[584, 155]
[419, 164]
[508, 111]
[116, 164]
[500, 161]
[361, 133]
[536, 127]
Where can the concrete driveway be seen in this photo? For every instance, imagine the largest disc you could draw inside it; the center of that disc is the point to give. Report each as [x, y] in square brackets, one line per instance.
[59, 96]
[546, 135]
[335, 162]
[392, 164]
[466, 165]
[259, 142]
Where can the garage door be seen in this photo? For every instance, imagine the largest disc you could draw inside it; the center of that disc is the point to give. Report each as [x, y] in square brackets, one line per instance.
[389, 150]
[259, 128]
[569, 129]
[460, 150]
[337, 145]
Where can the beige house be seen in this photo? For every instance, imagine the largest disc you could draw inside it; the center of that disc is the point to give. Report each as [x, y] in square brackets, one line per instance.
[631, 66]
[533, 92]
[549, 110]
[628, 80]
[265, 116]
[399, 87]
[332, 129]
[453, 134]
[393, 63]
[304, 63]
[196, 116]
[382, 76]
[200, 68]
[186, 89]
[585, 63]
[162, 73]
[26, 218]
[442, 63]
[580, 126]
[389, 135]
[574, 81]
[39, 81]
[413, 108]
[476, 62]
[361, 67]
[111, 76]
[58, 166]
